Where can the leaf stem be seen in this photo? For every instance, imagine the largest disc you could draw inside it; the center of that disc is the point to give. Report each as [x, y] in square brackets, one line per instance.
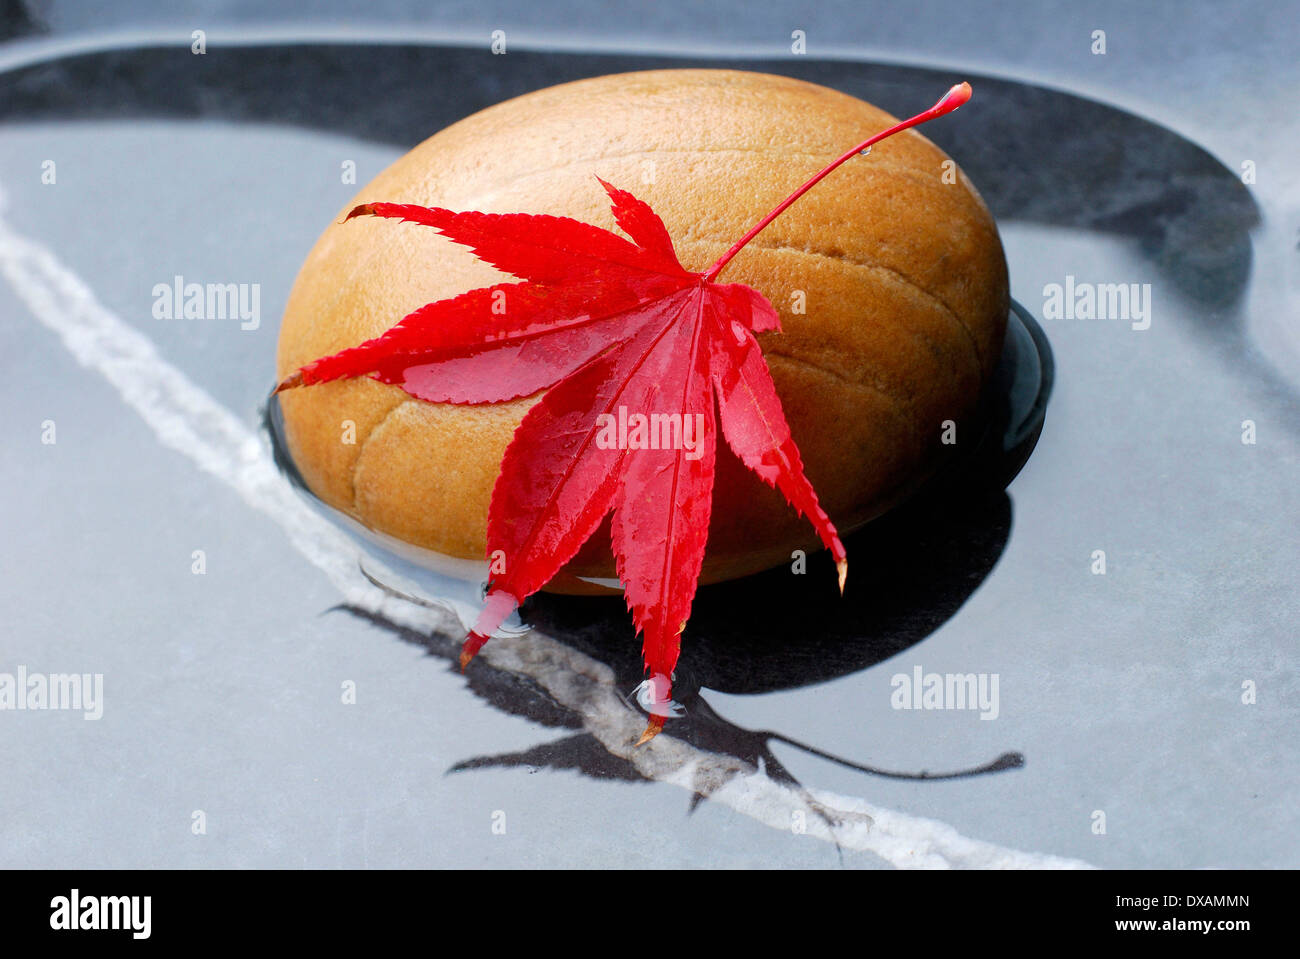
[950, 101]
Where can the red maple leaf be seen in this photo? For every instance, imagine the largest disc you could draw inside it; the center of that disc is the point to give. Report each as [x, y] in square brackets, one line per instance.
[636, 353]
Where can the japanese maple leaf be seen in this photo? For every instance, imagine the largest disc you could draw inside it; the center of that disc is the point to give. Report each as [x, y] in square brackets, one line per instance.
[617, 332]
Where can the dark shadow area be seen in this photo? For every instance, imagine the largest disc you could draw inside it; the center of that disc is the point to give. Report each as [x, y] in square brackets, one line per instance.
[772, 631]
[776, 630]
[766, 632]
[912, 570]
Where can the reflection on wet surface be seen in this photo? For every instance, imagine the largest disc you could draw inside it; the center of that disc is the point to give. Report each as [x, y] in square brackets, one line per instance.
[775, 630]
